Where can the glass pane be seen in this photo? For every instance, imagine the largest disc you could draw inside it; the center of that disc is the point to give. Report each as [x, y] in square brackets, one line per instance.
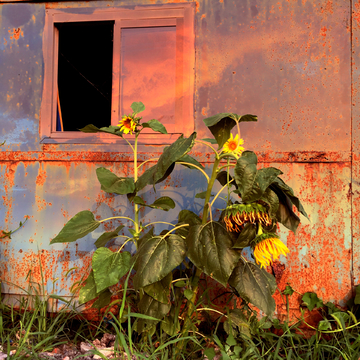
[148, 63]
[84, 74]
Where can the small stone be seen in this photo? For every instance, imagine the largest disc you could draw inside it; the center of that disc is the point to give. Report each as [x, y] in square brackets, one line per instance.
[85, 347]
[66, 358]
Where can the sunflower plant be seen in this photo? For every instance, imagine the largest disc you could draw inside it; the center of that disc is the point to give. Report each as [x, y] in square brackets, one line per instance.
[255, 201]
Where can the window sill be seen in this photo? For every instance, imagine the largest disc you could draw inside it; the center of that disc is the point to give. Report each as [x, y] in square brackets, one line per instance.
[70, 137]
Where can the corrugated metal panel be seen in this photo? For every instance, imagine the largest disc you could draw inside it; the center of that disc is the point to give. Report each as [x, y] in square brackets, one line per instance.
[289, 63]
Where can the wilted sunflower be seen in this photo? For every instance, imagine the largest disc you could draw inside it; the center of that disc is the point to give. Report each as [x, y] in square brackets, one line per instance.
[238, 214]
[127, 124]
[233, 145]
[268, 247]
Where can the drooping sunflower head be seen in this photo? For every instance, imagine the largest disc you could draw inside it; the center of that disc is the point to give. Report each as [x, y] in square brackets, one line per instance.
[237, 215]
[267, 248]
[233, 145]
[127, 124]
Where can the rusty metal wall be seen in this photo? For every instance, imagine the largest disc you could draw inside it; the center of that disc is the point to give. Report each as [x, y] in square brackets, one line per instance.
[292, 63]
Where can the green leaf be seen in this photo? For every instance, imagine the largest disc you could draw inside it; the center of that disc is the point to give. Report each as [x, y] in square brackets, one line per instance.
[253, 183]
[103, 300]
[247, 234]
[160, 290]
[109, 267]
[164, 203]
[77, 227]
[107, 236]
[166, 162]
[88, 291]
[155, 125]
[137, 107]
[150, 307]
[202, 195]
[145, 237]
[210, 353]
[187, 217]
[357, 295]
[170, 325]
[115, 130]
[189, 159]
[156, 258]
[270, 198]
[253, 286]
[288, 290]
[188, 294]
[236, 319]
[221, 177]
[324, 325]
[114, 184]
[279, 186]
[245, 171]
[210, 249]
[220, 125]
[172, 154]
[211, 141]
[264, 177]
[285, 214]
[311, 300]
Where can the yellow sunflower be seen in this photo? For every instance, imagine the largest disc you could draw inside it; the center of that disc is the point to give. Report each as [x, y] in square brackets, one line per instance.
[268, 248]
[127, 124]
[233, 145]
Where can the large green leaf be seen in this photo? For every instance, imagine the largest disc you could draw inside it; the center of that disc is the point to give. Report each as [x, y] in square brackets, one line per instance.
[253, 286]
[107, 236]
[160, 290]
[88, 291]
[187, 217]
[245, 171]
[166, 162]
[210, 249]
[165, 203]
[252, 183]
[155, 125]
[172, 154]
[222, 178]
[114, 184]
[77, 227]
[147, 178]
[109, 267]
[247, 234]
[137, 107]
[270, 198]
[279, 186]
[150, 307]
[220, 125]
[157, 257]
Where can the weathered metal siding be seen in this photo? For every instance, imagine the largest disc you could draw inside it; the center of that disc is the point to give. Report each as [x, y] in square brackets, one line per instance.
[289, 62]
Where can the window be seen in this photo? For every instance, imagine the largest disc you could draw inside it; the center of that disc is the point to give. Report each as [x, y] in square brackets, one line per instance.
[98, 61]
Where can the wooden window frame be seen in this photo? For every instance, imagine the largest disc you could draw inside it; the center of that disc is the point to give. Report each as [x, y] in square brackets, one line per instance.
[179, 15]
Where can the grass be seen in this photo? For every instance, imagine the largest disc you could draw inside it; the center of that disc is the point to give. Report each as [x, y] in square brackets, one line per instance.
[30, 328]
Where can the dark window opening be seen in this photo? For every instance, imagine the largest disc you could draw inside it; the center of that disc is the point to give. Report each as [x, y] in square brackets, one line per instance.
[84, 74]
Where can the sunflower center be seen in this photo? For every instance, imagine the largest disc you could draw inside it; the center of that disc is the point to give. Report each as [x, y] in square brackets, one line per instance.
[232, 145]
[127, 123]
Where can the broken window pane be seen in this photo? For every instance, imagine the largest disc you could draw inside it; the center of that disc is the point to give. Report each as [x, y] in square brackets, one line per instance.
[148, 69]
[84, 74]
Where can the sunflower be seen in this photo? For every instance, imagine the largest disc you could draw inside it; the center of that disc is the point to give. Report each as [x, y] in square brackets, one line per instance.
[238, 214]
[233, 145]
[127, 124]
[268, 248]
